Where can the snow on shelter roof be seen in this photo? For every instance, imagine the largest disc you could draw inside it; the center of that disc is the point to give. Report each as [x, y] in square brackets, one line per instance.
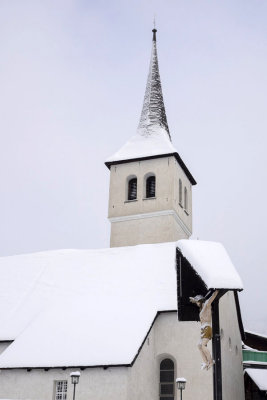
[259, 377]
[212, 263]
[93, 307]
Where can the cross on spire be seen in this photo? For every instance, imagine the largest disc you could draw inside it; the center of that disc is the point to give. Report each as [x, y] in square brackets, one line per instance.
[153, 114]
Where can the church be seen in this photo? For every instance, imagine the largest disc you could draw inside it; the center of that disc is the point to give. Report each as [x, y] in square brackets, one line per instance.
[121, 317]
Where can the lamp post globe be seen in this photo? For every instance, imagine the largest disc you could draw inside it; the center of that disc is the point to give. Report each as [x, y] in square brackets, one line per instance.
[75, 376]
[180, 382]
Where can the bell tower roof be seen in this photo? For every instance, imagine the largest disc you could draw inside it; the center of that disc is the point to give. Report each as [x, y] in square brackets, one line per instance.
[152, 138]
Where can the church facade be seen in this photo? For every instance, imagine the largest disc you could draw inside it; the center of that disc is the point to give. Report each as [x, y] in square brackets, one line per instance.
[122, 316]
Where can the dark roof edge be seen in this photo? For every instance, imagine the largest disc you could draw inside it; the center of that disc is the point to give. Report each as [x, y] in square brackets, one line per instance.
[104, 366]
[239, 317]
[176, 155]
[7, 341]
[258, 335]
[249, 365]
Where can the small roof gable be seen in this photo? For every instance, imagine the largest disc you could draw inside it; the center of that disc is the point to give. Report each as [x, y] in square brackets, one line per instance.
[212, 263]
[259, 377]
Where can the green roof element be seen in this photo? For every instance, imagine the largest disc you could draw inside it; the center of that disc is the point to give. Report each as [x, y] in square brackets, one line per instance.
[256, 356]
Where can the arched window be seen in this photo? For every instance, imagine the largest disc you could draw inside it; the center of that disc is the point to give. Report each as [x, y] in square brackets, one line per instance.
[151, 186]
[185, 199]
[180, 192]
[166, 380]
[132, 189]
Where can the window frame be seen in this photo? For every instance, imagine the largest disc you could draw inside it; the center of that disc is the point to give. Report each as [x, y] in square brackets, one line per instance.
[185, 199]
[167, 396]
[180, 193]
[63, 393]
[148, 178]
[130, 179]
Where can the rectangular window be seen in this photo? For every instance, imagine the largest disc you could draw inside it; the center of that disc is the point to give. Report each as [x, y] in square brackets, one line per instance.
[61, 390]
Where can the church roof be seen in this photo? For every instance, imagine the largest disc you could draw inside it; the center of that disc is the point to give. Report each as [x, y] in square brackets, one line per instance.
[152, 138]
[93, 307]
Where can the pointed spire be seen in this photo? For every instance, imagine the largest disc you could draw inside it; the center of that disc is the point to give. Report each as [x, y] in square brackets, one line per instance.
[153, 114]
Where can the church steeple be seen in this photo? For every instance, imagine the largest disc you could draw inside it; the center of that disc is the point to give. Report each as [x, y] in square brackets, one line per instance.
[153, 114]
[150, 195]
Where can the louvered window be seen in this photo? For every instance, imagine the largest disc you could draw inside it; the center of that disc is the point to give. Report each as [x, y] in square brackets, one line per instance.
[166, 391]
[61, 390]
[132, 189]
[151, 186]
[180, 192]
[185, 199]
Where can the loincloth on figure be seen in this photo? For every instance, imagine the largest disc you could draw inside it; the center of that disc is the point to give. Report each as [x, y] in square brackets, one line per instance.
[206, 332]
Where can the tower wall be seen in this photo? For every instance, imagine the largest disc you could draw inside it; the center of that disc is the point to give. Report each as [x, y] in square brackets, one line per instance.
[149, 220]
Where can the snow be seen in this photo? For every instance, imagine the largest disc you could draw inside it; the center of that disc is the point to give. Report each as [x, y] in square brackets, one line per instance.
[152, 137]
[212, 263]
[250, 362]
[83, 307]
[94, 307]
[154, 142]
[76, 373]
[259, 376]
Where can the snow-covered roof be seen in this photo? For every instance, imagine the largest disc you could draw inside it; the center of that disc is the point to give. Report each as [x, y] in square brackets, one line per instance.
[83, 307]
[154, 143]
[259, 377]
[212, 263]
[76, 307]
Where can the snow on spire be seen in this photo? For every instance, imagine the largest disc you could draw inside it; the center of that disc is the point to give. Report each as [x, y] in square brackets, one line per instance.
[153, 114]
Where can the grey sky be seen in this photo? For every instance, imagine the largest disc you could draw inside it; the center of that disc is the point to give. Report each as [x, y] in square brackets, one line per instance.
[72, 78]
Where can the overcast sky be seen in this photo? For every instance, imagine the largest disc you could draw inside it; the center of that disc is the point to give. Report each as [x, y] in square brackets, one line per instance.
[72, 78]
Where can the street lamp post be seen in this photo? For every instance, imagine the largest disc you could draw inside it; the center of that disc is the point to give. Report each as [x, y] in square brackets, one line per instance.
[75, 380]
[181, 385]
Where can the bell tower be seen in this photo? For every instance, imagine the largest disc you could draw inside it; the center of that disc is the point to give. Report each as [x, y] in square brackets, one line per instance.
[150, 195]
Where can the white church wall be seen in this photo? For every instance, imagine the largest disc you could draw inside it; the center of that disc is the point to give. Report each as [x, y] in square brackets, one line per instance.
[178, 341]
[231, 350]
[143, 379]
[152, 229]
[168, 338]
[184, 215]
[37, 384]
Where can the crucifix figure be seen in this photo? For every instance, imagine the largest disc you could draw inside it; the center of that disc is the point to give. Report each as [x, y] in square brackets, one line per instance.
[206, 329]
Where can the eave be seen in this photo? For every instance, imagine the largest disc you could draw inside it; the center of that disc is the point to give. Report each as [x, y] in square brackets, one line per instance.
[176, 155]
